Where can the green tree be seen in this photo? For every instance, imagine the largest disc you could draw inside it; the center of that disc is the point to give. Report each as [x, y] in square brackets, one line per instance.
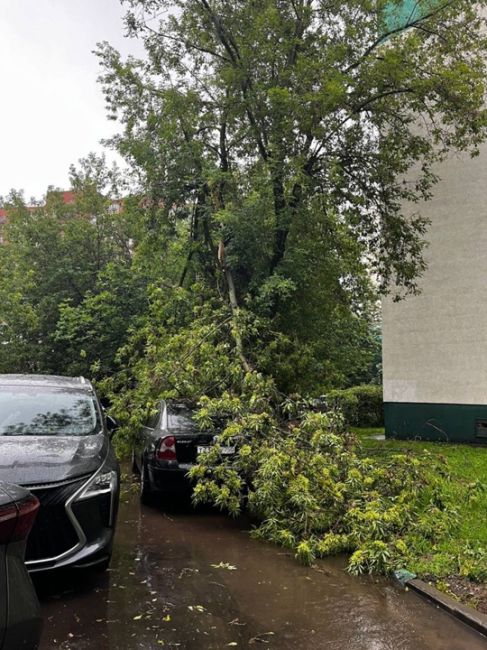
[272, 111]
[277, 143]
[59, 259]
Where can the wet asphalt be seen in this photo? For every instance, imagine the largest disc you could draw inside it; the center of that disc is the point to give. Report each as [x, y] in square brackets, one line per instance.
[195, 580]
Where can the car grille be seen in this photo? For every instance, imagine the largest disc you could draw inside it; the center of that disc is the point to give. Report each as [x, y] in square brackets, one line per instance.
[53, 533]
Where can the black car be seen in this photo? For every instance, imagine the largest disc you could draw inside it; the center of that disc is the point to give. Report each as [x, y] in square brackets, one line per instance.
[167, 447]
[55, 441]
[20, 621]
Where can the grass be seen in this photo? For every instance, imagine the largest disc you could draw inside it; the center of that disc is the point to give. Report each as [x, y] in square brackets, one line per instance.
[463, 551]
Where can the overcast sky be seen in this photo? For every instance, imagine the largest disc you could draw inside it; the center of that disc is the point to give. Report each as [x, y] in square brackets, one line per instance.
[51, 107]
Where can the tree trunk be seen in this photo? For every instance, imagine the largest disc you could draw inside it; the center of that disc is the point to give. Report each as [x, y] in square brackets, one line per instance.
[232, 297]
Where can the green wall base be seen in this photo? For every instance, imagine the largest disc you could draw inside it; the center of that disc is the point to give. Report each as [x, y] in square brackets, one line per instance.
[439, 422]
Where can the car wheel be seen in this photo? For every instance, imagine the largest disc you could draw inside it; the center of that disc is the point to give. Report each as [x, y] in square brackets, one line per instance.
[146, 492]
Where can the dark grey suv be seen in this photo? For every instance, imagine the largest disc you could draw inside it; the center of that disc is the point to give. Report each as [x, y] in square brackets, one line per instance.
[55, 441]
[20, 621]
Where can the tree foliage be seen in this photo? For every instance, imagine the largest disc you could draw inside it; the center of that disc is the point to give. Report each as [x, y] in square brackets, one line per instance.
[283, 147]
[277, 144]
[296, 133]
[68, 289]
[311, 488]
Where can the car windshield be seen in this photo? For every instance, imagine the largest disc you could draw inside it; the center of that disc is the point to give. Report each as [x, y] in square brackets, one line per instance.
[47, 411]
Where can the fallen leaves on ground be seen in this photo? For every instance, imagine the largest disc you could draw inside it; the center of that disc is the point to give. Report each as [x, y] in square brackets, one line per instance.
[261, 638]
[196, 608]
[224, 565]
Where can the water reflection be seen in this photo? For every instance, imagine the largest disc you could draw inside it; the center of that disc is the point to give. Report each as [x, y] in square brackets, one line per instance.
[46, 411]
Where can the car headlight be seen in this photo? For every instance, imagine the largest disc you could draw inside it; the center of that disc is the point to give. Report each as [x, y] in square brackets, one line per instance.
[102, 483]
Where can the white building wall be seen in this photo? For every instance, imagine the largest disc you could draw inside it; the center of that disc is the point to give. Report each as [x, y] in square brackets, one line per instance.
[435, 344]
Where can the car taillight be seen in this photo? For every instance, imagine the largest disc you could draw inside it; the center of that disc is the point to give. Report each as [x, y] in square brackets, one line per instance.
[16, 519]
[8, 521]
[166, 449]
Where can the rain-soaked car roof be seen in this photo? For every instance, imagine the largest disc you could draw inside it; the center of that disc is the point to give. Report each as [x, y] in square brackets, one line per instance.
[46, 380]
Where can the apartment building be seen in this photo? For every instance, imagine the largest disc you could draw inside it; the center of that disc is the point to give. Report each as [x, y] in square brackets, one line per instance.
[435, 344]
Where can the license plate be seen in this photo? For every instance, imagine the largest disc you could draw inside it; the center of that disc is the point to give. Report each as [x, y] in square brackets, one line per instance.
[226, 451]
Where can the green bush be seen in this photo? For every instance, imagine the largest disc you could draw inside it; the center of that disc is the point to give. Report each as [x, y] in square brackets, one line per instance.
[362, 406]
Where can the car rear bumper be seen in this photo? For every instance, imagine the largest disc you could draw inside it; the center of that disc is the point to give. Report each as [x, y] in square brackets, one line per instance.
[24, 622]
[170, 480]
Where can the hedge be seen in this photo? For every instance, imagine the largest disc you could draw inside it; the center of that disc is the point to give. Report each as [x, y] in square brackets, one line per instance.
[362, 406]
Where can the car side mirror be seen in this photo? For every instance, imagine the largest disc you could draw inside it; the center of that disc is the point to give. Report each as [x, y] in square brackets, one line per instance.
[112, 425]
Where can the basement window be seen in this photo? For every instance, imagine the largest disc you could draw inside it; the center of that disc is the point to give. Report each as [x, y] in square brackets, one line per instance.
[481, 429]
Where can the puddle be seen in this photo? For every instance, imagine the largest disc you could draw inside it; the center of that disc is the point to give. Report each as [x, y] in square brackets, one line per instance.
[195, 580]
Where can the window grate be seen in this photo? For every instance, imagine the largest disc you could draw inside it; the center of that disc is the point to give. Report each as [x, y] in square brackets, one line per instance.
[481, 429]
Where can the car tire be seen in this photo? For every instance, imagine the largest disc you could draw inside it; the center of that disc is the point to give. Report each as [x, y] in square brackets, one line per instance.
[146, 492]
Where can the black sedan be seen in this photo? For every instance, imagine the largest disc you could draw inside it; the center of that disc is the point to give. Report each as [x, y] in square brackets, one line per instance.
[20, 621]
[167, 447]
[54, 441]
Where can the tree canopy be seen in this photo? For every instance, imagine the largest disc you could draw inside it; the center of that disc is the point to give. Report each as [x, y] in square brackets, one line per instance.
[68, 288]
[284, 148]
[284, 121]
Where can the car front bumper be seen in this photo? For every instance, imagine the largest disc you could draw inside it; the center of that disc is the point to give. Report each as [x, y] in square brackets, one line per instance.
[70, 532]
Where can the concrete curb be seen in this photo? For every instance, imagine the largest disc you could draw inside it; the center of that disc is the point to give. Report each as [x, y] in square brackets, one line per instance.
[476, 620]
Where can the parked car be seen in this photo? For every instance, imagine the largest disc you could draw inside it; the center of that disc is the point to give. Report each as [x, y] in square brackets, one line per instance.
[55, 441]
[20, 620]
[166, 448]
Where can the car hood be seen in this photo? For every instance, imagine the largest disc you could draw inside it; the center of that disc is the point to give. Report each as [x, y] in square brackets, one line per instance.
[31, 460]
